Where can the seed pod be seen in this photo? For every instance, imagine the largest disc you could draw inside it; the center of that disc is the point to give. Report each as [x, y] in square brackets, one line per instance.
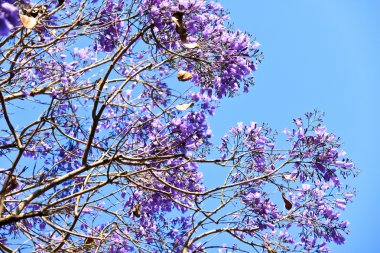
[28, 22]
[184, 76]
[88, 241]
[191, 45]
[288, 204]
[137, 211]
[177, 18]
[184, 107]
[289, 177]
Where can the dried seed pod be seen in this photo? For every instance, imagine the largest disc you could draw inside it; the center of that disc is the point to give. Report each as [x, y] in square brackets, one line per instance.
[191, 45]
[289, 177]
[28, 22]
[137, 210]
[184, 76]
[178, 20]
[89, 241]
[288, 204]
[184, 107]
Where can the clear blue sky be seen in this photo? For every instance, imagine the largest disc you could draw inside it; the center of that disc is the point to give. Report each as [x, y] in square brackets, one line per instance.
[319, 54]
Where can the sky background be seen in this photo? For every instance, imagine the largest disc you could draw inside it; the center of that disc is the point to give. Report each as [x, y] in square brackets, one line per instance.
[319, 54]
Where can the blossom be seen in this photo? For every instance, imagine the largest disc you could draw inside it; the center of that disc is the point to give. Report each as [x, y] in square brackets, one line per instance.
[8, 17]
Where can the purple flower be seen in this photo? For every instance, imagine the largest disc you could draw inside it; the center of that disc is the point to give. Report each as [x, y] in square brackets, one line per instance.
[8, 17]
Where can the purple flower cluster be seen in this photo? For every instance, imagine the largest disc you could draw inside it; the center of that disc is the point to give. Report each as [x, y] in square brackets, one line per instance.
[8, 16]
[310, 176]
[223, 59]
[110, 37]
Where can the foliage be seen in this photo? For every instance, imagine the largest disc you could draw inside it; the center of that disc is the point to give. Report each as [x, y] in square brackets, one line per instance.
[104, 136]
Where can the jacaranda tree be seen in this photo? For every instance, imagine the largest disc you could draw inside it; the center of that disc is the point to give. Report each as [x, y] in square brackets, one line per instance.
[104, 134]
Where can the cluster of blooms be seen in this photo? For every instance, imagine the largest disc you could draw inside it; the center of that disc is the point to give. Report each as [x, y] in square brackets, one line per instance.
[8, 16]
[109, 37]
[112, 144]
[308, 178]
[221, 60]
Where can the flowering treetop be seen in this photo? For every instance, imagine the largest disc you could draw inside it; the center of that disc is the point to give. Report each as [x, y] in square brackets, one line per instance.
[103, 135]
